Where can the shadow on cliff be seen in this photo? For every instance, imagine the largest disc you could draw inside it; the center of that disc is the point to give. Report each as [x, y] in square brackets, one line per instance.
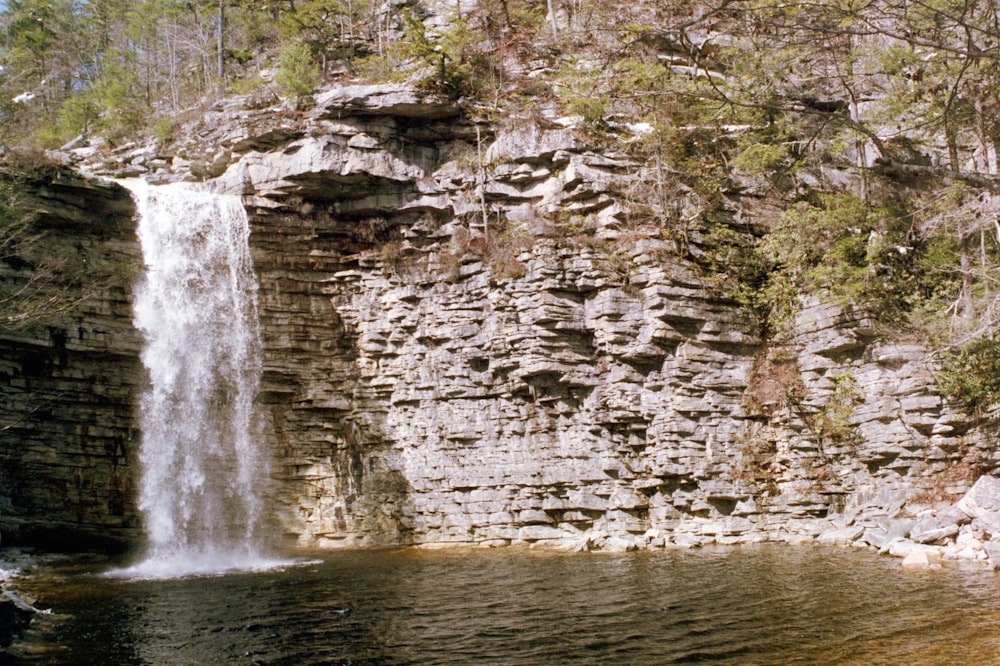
[69, 366]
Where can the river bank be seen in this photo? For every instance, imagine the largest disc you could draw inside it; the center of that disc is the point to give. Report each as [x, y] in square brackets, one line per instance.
[16, 610]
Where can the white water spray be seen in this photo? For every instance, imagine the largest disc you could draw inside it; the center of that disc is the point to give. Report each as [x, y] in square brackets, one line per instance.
[202, 458]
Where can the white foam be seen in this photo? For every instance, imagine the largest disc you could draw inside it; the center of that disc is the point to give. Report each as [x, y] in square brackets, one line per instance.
[203, 563]
[204, 467]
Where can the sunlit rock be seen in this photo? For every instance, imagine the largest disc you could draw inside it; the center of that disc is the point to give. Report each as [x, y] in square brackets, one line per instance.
[471, 335]
[982, 503]
[942, 525]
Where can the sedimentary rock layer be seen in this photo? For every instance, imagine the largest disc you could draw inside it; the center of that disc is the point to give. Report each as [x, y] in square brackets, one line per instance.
[477, 333]
[70, 376]
[473, 337]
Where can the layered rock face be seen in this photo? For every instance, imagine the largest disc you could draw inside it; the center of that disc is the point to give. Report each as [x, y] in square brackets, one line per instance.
[69, 381]
[470, 340]
[472, 336]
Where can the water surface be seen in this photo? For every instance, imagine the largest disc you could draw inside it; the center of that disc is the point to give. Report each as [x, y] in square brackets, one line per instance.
[759, 605]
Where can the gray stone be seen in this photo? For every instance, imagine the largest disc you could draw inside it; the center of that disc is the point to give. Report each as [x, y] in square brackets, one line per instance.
[917, 559]
[982, 502]
[942, 525]
[841, 536]
[992, 549]
[383, 99]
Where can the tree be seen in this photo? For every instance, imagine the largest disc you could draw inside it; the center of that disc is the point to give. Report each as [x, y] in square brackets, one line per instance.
[296, 73]
[329, 27]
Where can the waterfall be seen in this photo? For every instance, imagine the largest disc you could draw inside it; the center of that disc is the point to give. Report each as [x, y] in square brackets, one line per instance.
[203, 464]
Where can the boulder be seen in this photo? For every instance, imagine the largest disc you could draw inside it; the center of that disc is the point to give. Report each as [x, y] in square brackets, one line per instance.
[618, 544]
[941, 526]
[841, 536]
[917, 559]
[904, 547]
[992, 549]
[982, 502]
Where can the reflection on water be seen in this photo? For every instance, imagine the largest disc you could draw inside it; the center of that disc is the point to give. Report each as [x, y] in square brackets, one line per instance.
[763, 605]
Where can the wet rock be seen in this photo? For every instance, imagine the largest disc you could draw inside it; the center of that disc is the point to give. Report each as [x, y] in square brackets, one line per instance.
[15, 616]
[918, 559]
[70, 381]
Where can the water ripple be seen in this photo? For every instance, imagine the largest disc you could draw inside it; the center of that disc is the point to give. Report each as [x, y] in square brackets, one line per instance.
[766, 605]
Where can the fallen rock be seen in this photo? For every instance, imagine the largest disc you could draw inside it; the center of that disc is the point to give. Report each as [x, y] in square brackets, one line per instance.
[904, 547]
[841, 536]
[941, 526]
[983, 497]
[982, 503]
[992, 549]
[917, 559]
[617, 544]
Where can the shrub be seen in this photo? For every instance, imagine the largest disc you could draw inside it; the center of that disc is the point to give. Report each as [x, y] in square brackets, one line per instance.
[970, 375]
[832, 423]
[297, 75]
[163, 129]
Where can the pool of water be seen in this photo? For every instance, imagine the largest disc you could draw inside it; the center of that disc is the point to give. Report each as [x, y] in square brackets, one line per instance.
[752, 605]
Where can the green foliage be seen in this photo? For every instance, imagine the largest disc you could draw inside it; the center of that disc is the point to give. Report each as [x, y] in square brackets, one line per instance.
[832, 423]
[454, 58]
[744, 273]
[78, 115]
[837, 244]
[761, 157]
[163, 129]
[377, 68]
[970, 375]
[840, 243]
[296, 73]
[116, 93]
[329, 27]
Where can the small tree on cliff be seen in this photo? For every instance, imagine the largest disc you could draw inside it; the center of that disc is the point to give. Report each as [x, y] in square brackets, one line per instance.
[297, 74]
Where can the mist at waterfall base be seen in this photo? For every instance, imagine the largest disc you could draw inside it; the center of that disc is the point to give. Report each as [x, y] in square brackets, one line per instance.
[203, 463]
[766, 604]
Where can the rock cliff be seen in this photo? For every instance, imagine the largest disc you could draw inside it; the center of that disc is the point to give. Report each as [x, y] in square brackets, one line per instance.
[471, 337]
[70, 376]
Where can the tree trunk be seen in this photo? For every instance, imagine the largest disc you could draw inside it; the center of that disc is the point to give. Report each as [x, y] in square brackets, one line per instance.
[222, 41]
[951, 138]
[552, 18]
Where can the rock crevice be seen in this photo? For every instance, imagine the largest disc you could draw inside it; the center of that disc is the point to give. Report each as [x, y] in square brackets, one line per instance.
[471, 336]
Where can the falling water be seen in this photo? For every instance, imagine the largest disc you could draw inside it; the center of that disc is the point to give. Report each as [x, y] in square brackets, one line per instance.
[196, 307]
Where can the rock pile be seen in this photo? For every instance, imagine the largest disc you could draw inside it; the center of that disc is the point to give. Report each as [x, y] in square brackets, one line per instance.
[969, 529]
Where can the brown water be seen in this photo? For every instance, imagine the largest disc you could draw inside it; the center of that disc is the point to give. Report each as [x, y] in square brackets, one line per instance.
[760, 605]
